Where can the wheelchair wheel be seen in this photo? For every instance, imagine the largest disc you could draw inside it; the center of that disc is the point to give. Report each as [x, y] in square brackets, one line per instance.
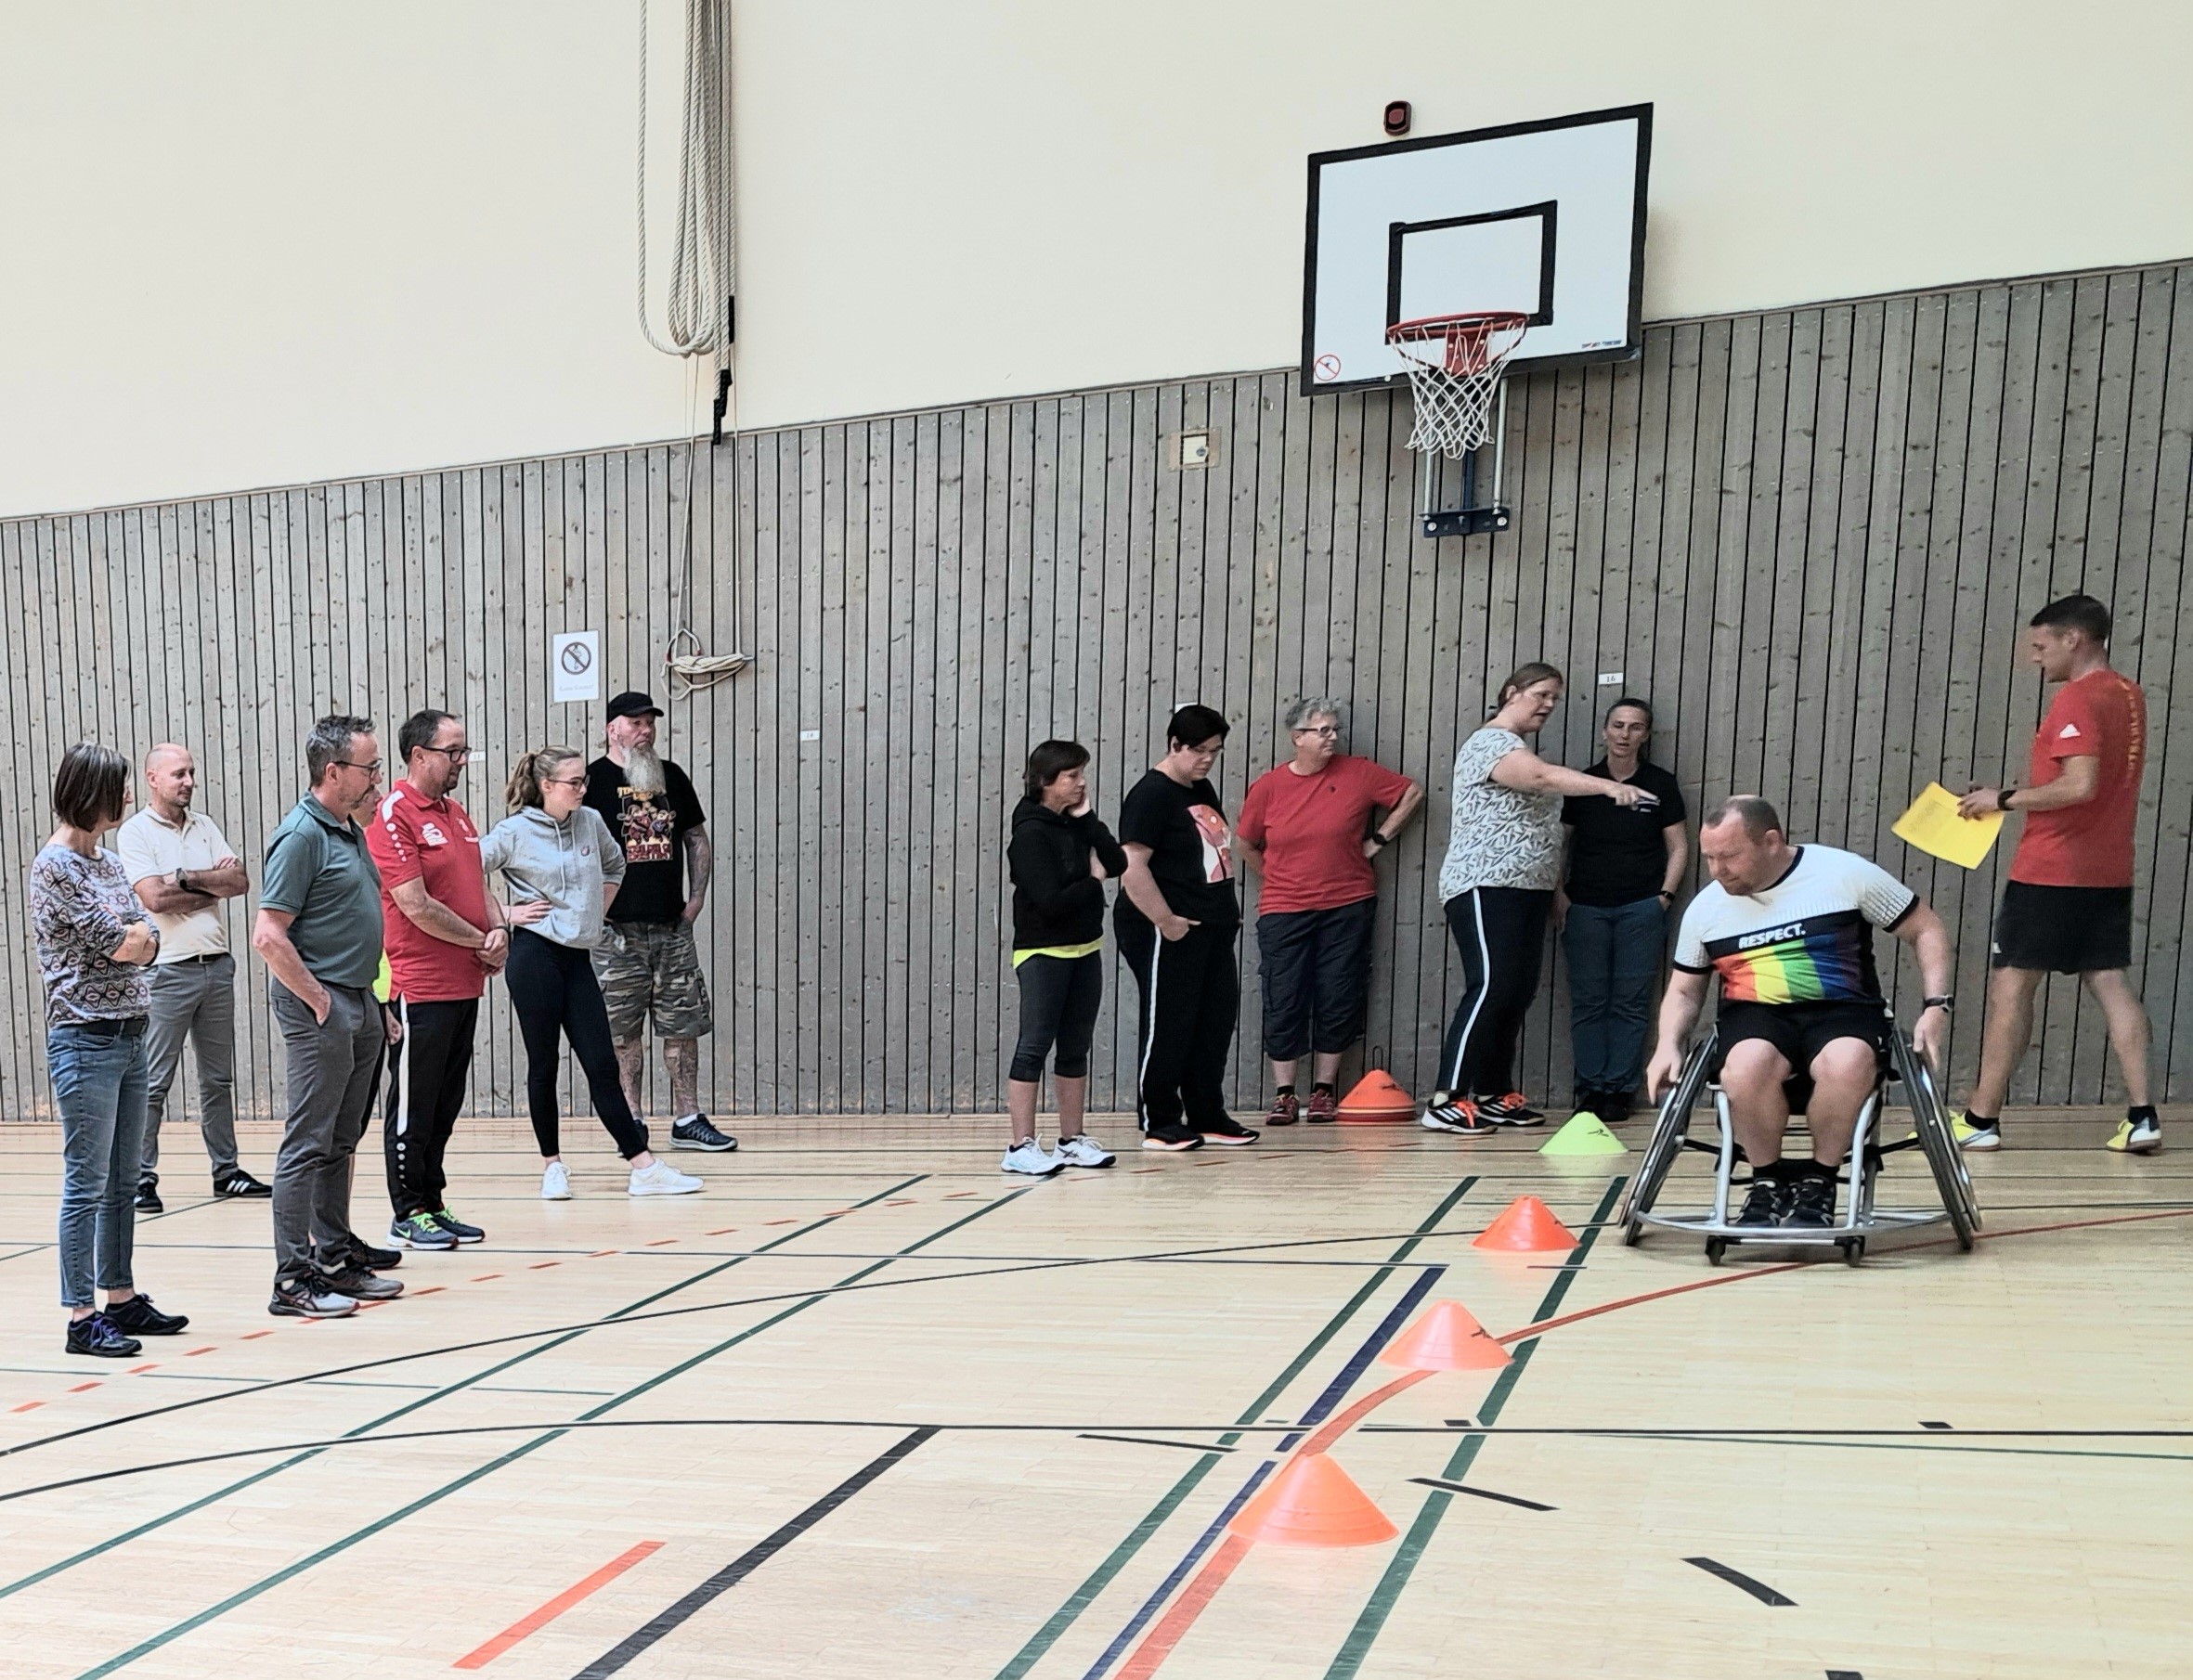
[1715, 1248]
[1853, 1250]
[1669, 1128]
[1943, 1157]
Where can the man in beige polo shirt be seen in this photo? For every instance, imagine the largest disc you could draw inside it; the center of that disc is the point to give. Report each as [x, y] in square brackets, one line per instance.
[182, 868]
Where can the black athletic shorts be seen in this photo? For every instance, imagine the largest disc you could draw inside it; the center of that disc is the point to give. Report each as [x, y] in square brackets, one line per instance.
[2073, 930]
[1801, 1031]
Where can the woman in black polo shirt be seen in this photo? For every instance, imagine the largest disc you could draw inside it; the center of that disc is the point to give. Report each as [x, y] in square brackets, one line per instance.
[1624, 863]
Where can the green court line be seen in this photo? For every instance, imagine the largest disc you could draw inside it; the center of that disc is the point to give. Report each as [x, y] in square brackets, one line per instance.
[406, 1410]
[268, 1583]
[1403, 1565]
[1048, 1634]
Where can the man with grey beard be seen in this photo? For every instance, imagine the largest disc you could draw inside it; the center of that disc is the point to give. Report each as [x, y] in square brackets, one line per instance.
[648, 962]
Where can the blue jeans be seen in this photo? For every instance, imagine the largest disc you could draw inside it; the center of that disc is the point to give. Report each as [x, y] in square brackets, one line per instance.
[98, 1085]
[1614, 961]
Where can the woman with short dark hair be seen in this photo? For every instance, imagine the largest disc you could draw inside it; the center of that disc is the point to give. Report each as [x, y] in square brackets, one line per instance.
[1060, 858]
[1177, 917]
[95, 947]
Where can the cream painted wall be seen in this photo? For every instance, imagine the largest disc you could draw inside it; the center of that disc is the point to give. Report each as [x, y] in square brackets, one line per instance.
[259, 240]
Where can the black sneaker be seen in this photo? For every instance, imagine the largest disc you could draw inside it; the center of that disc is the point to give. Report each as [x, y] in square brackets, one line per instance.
[694, 1133]
[1509, 1109]
[1613, 1107]
[240, 1182]
[1768, 1202]
[1175, 1138]
[97, 1336]
[358, 1284]
[140, 1317]
[455, 1226]
[148, 1202]
[308, 1301]
[1811, 1203]
[364, 1254]
[1455, 1113]
[1227, 1130]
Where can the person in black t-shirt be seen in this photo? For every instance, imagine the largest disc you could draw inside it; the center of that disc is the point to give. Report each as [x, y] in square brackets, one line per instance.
[1176, 919]
[1624, 863]
[647, 962]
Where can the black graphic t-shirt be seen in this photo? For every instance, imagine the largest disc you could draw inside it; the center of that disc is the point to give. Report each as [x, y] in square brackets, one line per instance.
[652, 829]
[1190, 848]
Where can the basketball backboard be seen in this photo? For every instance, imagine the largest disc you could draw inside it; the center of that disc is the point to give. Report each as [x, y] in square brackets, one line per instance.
[1544, 217]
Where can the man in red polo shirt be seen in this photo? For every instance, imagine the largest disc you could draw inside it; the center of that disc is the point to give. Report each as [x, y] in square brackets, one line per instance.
[2067, 903]
[444, 937]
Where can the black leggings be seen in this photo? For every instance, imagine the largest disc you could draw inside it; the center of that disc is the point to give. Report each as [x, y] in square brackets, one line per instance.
[1058, 1001]
[554, 988]
[1501, 933]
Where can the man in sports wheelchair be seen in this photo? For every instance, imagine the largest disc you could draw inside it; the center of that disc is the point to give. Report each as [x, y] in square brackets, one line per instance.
[1789, 930]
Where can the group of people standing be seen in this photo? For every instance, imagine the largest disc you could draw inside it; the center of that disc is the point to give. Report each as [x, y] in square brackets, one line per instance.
[1602, 852]
[380, 932]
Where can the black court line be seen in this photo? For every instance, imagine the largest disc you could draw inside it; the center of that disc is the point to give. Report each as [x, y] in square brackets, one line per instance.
[1147, 1440]
[724, 1579]
[1758, 1589]
[1925, 1424]
[1463, 1487]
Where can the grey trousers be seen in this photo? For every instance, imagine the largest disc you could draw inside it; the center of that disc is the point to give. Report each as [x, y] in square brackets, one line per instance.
[333, 1068]
[193, 1000]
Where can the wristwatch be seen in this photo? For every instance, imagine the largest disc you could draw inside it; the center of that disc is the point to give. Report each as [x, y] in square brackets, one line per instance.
[2003, 797]
[1945, 1002]
[1379, 837]
[1667, 895]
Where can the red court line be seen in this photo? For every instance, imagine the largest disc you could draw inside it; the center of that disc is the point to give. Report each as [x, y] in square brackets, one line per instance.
[83, 1386]
[255, 1335]
[1157, 1645]
[28, 1405]
[555, 1607]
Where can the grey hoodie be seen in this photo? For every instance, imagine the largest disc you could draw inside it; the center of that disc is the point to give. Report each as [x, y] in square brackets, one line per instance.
[568, 863]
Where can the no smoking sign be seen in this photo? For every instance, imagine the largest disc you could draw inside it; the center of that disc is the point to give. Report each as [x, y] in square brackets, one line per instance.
[575, 665]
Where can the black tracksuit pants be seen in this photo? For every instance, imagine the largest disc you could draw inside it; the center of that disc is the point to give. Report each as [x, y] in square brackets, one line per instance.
[1501, 933]
[554, 990]
[427, 1069]
[1191, 995]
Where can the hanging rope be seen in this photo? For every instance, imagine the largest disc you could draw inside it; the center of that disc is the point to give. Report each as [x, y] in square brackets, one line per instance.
[703, 284]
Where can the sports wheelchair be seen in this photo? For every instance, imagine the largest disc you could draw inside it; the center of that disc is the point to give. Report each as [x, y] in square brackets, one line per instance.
[1861, 1218]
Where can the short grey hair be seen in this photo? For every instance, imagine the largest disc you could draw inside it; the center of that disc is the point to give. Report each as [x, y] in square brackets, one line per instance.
[1757, 815]
[1315, 706]
[329, 742]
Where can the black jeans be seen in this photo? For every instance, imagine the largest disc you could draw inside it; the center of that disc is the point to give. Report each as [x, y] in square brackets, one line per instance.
[1058, 1001]
[1316, 978]
[554, 990]
[1502, 934]
[427, 1069]
[1191, 993]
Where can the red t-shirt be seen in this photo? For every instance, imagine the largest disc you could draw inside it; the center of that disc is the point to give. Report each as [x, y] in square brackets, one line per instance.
[2101, 716]
[414, 838]
[1312, 830]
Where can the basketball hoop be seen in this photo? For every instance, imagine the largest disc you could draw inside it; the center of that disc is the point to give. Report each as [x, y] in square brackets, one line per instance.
[1454, 364]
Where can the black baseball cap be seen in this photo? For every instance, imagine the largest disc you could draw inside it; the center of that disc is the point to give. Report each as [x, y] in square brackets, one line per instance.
[633, 703]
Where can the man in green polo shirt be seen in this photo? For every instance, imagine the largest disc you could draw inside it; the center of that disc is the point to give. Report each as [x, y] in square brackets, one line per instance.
[319, 932]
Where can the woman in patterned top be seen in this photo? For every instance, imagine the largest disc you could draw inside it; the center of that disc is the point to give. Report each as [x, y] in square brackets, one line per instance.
[1503, 862]
[95, 947]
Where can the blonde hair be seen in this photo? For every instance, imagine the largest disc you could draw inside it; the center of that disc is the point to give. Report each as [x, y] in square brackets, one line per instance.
[1527, 676]
[530, 771]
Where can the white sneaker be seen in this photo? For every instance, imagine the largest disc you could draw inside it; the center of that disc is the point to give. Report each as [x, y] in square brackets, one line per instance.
[1082, 1150]
[555, 1183]
[1032, 1157]
[662, 1179]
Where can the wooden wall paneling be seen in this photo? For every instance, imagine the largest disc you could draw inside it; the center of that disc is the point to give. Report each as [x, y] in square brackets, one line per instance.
[21, 987]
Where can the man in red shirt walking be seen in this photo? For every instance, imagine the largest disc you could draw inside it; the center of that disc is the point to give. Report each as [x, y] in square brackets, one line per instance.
[444, 937]
[1306, 827]
[2067, 904]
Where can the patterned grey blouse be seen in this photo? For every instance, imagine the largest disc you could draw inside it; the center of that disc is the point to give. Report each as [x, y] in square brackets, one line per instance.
[1501, 837]
[79, 908]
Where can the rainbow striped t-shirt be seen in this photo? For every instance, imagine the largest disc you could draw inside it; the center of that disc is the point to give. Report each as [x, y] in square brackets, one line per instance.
[1808, 939]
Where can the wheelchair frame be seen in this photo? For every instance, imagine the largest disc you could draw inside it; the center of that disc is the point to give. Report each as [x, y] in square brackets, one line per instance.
[1934, 1136]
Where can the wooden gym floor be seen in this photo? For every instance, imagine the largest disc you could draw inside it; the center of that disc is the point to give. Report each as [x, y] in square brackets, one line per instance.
[867, 1409]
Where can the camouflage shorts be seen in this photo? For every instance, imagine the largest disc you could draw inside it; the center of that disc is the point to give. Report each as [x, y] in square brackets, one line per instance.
[653, 967]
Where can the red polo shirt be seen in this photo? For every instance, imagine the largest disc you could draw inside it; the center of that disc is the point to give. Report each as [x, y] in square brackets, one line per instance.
[1312, 830]
[2103, 715]
[415, 838]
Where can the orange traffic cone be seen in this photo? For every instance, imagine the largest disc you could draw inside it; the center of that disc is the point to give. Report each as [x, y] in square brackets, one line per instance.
[1376, 1100]
[1313, 1502]
[1446, 1338]
[1526, 1226]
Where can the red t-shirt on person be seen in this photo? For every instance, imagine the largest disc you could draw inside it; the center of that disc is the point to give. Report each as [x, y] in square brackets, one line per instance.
[414, 838]
[1312, 829]
[2101, 716]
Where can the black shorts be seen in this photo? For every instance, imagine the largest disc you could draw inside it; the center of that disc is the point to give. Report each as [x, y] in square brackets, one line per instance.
[1801, 1031]
[1316, 976]
[2072, 930]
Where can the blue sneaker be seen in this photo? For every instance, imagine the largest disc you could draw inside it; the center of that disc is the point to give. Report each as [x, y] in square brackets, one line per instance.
[420, 1231]
[455, 1226]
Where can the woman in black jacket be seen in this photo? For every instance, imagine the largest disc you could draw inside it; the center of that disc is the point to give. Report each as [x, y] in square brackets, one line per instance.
[1060, 856]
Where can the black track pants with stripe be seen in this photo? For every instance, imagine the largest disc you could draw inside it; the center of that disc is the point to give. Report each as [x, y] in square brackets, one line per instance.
[1501, 933]
[427, 1069]
[1191, 996]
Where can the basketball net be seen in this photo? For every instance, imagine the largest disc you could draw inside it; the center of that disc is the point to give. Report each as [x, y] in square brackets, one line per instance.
[1454, 364]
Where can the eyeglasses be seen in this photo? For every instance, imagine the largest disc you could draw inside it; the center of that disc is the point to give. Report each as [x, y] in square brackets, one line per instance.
[1329, 730]
[455, 754]
[563, 782]
[350, 763]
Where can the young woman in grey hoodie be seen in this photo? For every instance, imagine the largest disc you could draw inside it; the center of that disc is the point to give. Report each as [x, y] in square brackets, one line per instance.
[563, 869]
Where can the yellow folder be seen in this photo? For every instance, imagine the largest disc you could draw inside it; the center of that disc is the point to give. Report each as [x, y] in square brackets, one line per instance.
[1932, 824]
